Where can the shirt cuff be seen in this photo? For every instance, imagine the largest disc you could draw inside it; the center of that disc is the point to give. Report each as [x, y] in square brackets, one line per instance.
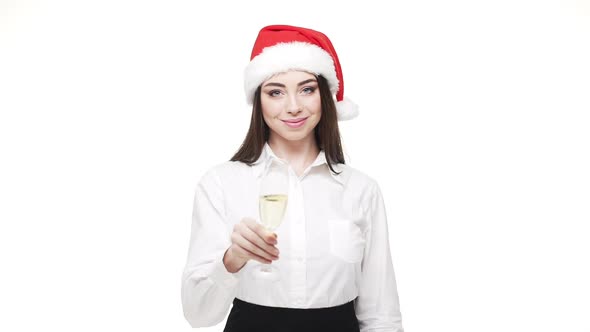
[221, 276]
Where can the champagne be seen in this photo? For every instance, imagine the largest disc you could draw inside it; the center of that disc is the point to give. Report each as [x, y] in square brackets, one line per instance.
[272, 210]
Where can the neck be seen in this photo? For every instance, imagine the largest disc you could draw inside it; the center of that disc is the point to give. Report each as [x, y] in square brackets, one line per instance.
[298, 153]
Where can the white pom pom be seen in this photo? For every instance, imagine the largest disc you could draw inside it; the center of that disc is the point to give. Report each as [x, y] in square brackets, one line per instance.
[346, 109]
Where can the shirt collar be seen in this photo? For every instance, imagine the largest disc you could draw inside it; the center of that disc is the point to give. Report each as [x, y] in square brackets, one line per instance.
[268, 155]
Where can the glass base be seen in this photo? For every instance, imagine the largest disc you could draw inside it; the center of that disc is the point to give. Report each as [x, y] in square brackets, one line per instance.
[266, 272]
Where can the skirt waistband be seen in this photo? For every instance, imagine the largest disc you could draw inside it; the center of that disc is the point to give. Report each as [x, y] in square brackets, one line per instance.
[343, 308]
[247, 317]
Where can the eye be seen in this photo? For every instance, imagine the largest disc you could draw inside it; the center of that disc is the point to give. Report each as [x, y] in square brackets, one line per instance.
[308, 90]
[274, 93]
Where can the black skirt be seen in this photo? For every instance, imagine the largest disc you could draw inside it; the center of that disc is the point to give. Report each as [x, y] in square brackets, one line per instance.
[249, 317]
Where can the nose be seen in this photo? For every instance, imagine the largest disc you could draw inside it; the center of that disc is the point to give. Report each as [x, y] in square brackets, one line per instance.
[294, 106]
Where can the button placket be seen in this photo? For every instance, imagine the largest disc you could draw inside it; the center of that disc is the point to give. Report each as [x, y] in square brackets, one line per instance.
[298, 237]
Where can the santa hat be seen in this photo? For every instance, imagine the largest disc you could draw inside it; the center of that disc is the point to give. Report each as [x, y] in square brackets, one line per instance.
[280, 48]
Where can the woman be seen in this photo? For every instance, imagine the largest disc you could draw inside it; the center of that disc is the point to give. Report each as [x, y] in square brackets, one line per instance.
[332, 248]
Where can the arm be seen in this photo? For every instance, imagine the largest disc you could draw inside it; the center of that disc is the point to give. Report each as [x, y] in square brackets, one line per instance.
[377, 306]
[207, 287]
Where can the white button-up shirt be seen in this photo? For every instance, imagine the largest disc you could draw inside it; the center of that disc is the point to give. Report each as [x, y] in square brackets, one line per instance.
[333, 245]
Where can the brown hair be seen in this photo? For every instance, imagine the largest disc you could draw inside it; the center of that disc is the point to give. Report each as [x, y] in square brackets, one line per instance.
[327, 133]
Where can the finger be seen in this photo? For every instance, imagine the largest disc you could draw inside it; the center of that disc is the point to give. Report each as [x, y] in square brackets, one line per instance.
[259, 242]
[251, 247]
[240, 240]
[263, 233]
[250, 255]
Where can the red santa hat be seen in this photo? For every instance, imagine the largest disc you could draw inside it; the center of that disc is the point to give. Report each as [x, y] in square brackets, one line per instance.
[280, 48]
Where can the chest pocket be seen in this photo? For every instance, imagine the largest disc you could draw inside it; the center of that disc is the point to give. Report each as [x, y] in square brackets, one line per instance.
[347, 240]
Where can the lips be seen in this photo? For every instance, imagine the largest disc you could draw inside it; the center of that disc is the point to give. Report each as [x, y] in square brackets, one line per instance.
[295, 120]
[295, 123]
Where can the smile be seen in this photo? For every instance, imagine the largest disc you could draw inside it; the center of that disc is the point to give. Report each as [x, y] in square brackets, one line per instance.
[296, 124]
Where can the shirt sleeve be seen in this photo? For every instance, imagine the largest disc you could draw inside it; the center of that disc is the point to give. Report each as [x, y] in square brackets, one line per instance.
[208, 288]
[377, 305]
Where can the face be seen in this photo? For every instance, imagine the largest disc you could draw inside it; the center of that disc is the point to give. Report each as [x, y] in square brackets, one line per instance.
[290, 96]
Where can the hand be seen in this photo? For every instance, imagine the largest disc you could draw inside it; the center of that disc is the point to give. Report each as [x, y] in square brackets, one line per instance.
[250, 240]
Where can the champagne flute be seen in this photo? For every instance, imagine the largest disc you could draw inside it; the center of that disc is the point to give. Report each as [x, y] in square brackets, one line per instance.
[274, 189]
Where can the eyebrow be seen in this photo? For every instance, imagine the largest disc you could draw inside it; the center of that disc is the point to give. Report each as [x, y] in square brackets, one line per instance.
[298, 84]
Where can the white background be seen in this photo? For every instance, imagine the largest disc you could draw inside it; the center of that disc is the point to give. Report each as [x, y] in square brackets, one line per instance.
[474, 120]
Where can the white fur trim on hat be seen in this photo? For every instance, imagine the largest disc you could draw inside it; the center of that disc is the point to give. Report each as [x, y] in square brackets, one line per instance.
[346, 109]
[283, 57]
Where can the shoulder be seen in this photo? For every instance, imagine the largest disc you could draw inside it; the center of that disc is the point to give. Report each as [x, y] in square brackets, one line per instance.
[364, 186]
[224, 171]
[356, 177]
[361, 189]
[226, 167]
